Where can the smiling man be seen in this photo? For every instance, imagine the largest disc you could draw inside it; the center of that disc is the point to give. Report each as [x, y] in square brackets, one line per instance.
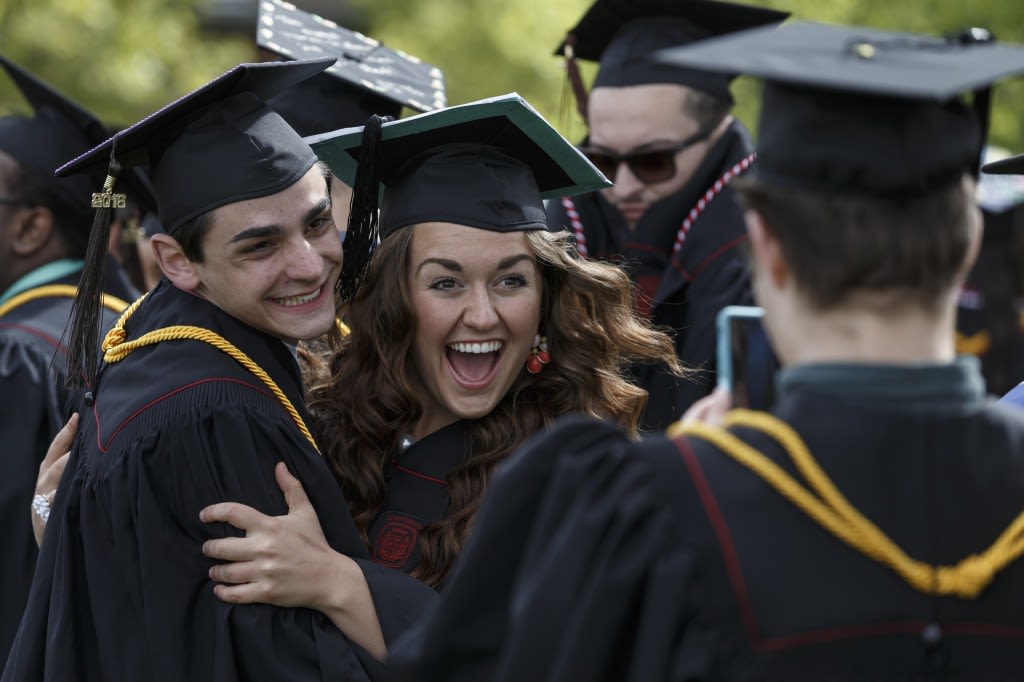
[665, 137]
[198, 396]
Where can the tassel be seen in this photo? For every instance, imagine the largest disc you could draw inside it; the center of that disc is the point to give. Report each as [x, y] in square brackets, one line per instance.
[363, 234]
[83, 325]
[572, 70]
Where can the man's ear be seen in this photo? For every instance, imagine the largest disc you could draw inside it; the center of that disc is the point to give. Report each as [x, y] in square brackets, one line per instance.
[173, 262]
[975, 234]
[766, 251]
[32, 229]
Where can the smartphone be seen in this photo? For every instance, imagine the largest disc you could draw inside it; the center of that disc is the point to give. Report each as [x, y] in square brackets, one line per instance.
[745, 359]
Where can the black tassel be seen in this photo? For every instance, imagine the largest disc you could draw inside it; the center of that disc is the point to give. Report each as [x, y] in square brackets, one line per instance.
[84, 324]
[363, 234]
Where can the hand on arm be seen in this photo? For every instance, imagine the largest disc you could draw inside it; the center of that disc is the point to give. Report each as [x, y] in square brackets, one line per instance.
[50, 471]
[286, 561]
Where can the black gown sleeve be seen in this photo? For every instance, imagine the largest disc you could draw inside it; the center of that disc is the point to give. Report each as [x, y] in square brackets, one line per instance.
[571, 573]
[30, 414]
[128, 563]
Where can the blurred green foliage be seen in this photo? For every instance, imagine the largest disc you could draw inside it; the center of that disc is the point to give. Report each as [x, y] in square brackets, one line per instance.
[120, 58]
[125, 58]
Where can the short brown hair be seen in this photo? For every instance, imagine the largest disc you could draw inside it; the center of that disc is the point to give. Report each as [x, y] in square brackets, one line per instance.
[909, 247]
[705, 109]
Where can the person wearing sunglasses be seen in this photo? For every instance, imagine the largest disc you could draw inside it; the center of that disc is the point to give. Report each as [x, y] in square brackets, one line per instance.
[667, 140]
[869, 526]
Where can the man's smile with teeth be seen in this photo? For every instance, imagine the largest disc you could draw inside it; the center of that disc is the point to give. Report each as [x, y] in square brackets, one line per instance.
[485, 347]
[298, 300]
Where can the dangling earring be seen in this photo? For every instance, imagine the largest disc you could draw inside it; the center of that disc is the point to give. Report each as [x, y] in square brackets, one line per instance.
[539, 355]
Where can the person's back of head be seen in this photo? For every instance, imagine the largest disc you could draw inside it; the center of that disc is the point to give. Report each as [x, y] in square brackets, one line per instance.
[864, 188]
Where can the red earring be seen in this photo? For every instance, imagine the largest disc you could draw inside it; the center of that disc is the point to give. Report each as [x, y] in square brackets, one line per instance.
[539, 355]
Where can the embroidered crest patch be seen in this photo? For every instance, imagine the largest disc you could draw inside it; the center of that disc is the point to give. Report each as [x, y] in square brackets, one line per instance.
[396, 541]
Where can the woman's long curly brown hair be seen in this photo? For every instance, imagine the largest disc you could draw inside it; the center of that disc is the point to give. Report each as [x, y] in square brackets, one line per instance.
[366, 403]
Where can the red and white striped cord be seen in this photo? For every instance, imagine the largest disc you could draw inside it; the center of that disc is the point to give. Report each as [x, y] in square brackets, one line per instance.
[709, 196]
[576, 224]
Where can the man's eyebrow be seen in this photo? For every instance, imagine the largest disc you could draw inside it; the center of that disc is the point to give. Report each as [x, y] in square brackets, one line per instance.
[646, 146]
[320, 207]
[258, 232]
[264, 231]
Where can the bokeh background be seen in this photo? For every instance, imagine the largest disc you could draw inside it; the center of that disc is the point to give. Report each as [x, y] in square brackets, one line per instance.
[126, 58]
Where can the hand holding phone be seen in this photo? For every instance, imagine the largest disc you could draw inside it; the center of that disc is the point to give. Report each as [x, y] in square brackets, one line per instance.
[746, 363]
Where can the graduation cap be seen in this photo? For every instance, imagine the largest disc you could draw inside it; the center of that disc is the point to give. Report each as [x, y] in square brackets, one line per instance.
[1012, 165]
[59, 130]
[487, 164]
[214, 146]
[863, 111]
[999, 192]
[623, 36]
[1000, 196]
[367, 79]
[217, 145]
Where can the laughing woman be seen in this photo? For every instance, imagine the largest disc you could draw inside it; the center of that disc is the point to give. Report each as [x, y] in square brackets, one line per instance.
[472, 329]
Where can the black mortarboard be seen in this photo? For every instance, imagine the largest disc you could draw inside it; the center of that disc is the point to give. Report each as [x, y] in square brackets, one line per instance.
[862, 111]
[1013, 165]
[59, 130]
[1000, 191]
[623, 36]
[486, 164]
[1000, 197]
[367, 79]
[217, 145]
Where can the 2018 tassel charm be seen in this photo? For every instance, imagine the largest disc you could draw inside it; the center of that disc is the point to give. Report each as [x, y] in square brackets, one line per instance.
[539, 355]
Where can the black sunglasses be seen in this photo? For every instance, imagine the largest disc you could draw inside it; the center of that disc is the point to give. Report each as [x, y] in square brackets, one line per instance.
[649, 167]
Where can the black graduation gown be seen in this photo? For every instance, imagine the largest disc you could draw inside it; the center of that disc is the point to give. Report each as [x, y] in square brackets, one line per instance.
[682, 291]
[595, 558]
[122, 589]
[417, 495]
[34, 404]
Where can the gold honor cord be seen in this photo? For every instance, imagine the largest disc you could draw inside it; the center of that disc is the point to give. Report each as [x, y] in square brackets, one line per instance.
[834, 513]
[112, 303]
[116, 348]
[975, 344]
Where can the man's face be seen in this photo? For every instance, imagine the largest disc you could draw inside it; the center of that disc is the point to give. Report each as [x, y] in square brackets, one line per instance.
[273, 262]
[643, 118]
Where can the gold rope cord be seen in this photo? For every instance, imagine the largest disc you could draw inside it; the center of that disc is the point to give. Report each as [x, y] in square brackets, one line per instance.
[112, 303]
[831, 510]
[116, 348]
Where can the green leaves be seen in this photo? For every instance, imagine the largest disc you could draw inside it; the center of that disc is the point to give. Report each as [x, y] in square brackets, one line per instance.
[125, 58]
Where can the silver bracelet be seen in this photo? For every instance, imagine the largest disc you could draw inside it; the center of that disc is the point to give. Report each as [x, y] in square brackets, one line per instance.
[41, 506]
